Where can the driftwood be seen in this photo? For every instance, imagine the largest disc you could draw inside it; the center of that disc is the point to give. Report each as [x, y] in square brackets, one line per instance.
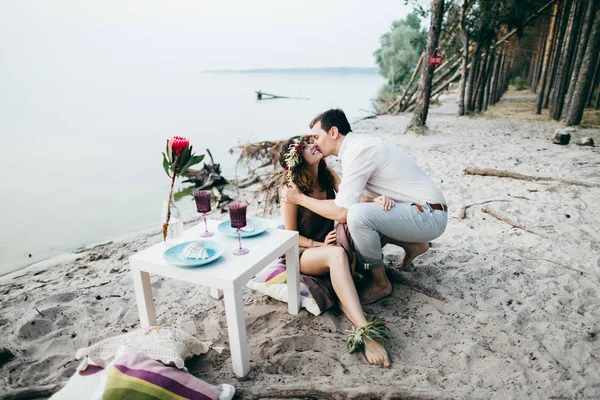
[255, 158]
[462, 213]
[34, 392]
[507, 174]
[208, 176]
[268, 96]
[322, 392]
[554, 262]
[504, 219]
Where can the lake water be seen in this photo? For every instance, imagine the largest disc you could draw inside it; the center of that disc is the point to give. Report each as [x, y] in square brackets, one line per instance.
[81, 153]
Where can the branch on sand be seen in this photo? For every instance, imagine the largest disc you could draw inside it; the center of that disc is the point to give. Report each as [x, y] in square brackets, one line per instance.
[321, 392]
[34, 392]
[507, 174]
[504, 219]
[554, 262]
[402, 278]
[462, 213]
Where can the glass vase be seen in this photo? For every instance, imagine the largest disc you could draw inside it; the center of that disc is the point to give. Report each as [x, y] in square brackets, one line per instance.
[175, 226]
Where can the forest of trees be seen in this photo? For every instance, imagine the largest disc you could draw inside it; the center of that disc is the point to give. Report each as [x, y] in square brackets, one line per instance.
[553, 45]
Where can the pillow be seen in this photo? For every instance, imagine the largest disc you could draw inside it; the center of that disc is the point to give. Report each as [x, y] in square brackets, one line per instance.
[133, 375]
[272, 281]
[168, 345]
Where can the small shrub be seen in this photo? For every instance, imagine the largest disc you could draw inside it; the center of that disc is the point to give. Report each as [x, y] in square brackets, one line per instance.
[519, 83]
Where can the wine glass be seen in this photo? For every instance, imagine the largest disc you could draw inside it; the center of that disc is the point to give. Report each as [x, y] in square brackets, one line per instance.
[202, 198]
[237, 216]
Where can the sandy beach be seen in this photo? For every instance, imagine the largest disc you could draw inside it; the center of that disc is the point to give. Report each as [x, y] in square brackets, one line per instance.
[490, 312]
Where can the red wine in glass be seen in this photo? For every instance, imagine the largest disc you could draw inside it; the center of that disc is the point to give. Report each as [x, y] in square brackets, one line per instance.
[237, 216]
[202, 198]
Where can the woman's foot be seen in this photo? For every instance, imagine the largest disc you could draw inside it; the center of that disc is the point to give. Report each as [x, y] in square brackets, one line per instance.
[376, 354]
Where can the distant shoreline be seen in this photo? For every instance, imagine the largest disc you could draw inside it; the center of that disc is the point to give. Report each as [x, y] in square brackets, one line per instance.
[331, 70]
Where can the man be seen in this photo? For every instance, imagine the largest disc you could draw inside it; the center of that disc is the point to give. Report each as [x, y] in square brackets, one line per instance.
[384, 196]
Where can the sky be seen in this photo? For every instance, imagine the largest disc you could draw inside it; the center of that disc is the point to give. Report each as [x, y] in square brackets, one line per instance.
[200, 35]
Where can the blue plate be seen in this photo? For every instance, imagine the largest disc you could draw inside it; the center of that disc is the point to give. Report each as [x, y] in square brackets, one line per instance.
[255, 227]
[174, 254]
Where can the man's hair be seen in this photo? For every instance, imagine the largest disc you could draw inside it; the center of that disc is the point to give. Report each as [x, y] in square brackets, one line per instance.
[330, 118]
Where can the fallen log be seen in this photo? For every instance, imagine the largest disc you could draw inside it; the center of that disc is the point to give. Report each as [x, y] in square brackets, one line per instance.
[514, 175]
[504, 219]
[322, 392]
[208, 176]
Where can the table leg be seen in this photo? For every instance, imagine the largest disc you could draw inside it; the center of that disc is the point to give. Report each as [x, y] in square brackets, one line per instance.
[216, 293]
[143, 297]
[293, 279]
[236, 325]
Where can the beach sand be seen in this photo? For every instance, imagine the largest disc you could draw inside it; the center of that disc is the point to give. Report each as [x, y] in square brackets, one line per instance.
[509, 325]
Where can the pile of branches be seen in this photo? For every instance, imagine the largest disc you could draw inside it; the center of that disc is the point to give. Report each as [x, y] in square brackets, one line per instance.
[261, 161]
[208, 178]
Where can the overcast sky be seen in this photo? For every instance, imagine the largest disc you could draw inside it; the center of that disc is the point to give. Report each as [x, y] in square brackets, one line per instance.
[203, 34]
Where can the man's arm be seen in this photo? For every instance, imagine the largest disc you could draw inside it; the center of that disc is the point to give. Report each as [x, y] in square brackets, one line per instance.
[325, 208]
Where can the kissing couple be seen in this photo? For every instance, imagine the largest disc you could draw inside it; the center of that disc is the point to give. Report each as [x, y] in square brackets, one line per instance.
[383, 197]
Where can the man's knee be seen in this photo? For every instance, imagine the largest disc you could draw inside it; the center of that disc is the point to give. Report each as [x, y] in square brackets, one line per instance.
[357, 215]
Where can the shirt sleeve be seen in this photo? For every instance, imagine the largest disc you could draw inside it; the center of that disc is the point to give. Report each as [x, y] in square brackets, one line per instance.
[357, 167]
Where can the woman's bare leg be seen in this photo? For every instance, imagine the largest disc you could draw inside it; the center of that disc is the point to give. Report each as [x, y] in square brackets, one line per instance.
[333, 259]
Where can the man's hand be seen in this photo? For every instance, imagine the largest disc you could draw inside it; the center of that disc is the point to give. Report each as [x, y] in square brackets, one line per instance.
[291, 194]
[330, 239]
[386, 202]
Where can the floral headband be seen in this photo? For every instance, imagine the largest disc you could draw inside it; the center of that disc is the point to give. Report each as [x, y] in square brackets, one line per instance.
[293, 157]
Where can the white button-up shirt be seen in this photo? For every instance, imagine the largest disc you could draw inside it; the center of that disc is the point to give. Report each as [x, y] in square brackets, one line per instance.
[372, 167]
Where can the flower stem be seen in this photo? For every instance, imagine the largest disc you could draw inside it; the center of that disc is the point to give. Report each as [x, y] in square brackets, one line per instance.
[166, 224]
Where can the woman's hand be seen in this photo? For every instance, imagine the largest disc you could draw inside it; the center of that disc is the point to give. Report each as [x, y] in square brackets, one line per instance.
[386, 202]
[291, 194]
[330, 239]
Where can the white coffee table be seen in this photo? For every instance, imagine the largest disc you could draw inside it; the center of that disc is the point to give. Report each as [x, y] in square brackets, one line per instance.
[225, 276]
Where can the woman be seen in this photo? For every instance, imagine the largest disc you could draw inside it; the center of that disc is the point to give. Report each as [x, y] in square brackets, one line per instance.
[319, 255]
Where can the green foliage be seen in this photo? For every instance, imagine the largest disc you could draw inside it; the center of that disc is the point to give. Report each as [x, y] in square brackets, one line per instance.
[519, 83]
[400, 49]
[374, 330]
[387, 92]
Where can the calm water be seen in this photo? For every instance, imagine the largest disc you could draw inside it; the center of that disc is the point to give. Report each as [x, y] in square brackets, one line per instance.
[81, 154]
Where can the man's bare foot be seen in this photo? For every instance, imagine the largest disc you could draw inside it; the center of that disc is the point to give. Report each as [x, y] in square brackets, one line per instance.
[413, 250]
[375, 291]
[376, 354]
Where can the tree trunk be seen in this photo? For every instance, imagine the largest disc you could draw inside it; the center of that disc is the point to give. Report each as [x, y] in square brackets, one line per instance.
[595, 82]
[564, 66]
[581, 46]
[496, 89]
[558, 51]
[464, 35]
[540, 57]
[422, 108]
[471, 79]
[488, 80]
[493, 82]
[546, 62]
[483, 79]
[580, 93]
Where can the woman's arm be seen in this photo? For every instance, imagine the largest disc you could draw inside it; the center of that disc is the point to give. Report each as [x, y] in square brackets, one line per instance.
[290, 218]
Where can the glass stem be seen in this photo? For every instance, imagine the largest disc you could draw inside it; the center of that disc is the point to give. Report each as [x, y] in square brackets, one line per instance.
[205, 224]
[240, 237]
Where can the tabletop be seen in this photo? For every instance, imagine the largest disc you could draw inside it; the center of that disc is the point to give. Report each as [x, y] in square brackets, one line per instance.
[264, 248]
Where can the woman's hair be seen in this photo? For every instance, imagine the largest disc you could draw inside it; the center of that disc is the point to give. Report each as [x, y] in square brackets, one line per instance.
[302, 176]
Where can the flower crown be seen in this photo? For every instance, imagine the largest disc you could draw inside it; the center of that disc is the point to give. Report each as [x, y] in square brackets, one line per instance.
[293, 157]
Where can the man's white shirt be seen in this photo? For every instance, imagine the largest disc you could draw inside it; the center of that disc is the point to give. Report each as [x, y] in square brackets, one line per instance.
[372, 167]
